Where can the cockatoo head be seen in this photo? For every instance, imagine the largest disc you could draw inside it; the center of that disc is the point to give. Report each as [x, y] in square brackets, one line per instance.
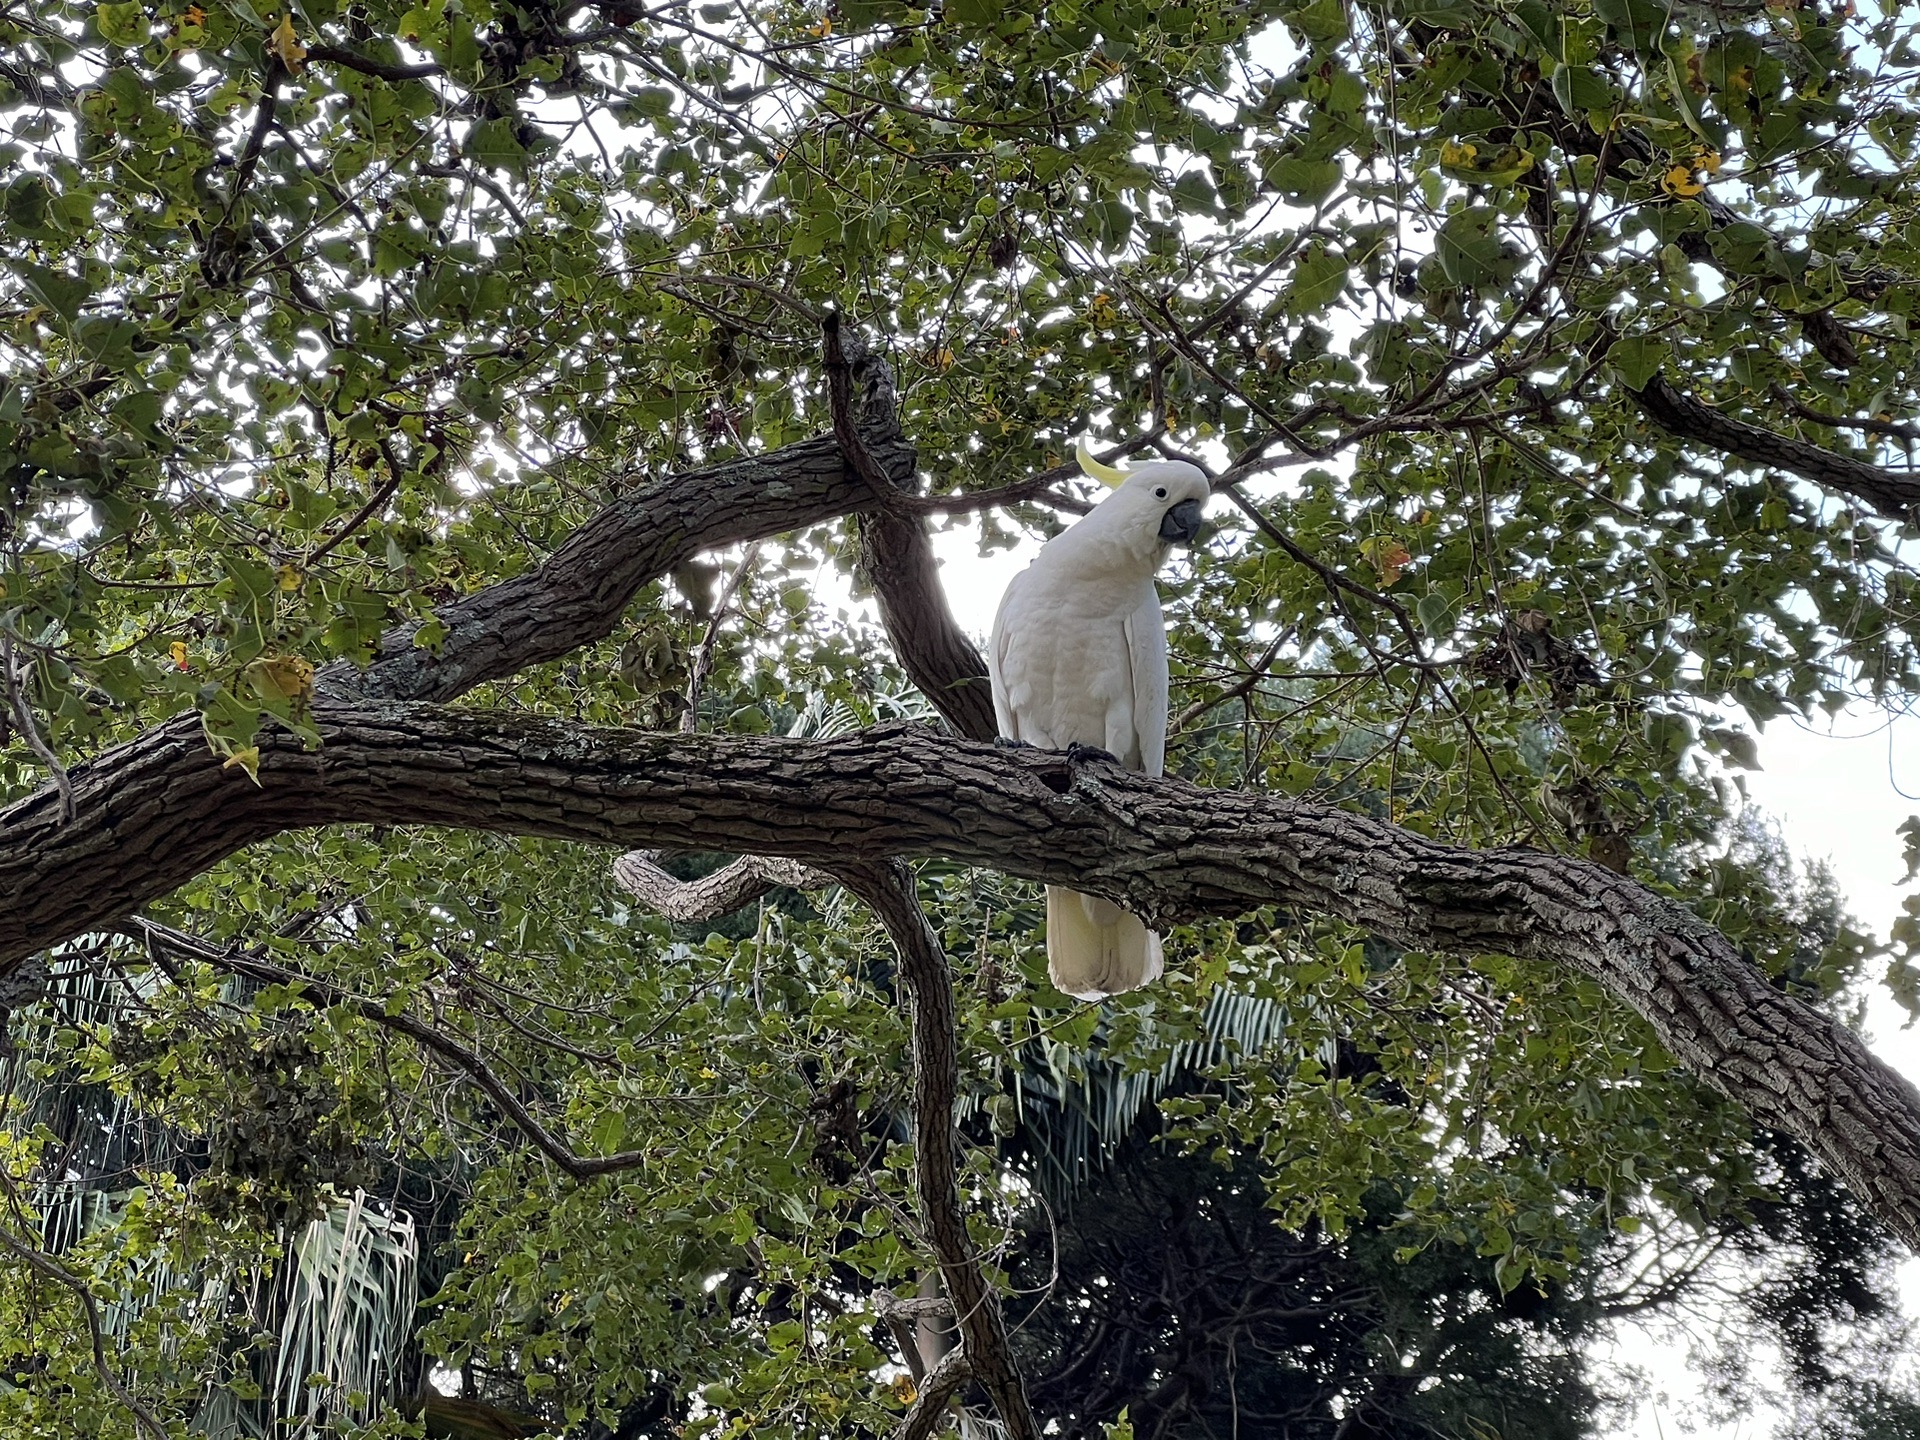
[1151, 508]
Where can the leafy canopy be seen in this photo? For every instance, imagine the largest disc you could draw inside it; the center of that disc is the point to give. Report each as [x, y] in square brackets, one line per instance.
[313, 321]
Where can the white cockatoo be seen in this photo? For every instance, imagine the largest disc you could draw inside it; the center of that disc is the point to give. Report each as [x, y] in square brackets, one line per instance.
[1079, 657]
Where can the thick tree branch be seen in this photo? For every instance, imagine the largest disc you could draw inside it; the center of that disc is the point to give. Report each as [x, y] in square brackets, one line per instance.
[887, 888]
[740, 882]
[938, 657]
[153, 814]
[1887, 492]
[579, 593]
[898, 559]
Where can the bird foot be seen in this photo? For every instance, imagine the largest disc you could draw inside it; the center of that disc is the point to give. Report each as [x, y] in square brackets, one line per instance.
[1078, 754]
[1005, 742]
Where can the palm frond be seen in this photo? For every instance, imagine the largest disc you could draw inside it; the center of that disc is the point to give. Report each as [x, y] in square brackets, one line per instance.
[354, 1290]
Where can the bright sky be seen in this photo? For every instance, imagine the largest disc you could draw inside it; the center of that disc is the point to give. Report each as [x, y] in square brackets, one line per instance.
[1838, 796]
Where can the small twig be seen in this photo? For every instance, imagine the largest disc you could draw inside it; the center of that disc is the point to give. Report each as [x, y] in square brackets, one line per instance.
[1240, 688]
[760, 287]
[887, 889]
[703, 654]
[1034, 487]
[1337, 582]
[485, 182]
[29, 731]
[257, 137]
[365, 65]
[380, 496]
[53, 1270]
[1869, 424]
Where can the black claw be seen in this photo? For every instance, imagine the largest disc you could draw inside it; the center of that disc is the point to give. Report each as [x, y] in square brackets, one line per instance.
[1078, 754]
[1008, 743]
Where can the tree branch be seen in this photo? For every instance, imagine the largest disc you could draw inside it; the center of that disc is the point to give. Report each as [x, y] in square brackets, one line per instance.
[929, 1407]
[898, 559]
[1886, 492]
[437, 1042]
[21, 713]
[367, 65]
[740, 882]
[45, 1265]
[702, 665]
[938, 657]
[160, 810]
[577, 595]
[887, 888]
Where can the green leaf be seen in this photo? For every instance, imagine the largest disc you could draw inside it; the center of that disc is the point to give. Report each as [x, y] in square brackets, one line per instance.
[1307, 182]
[1112, 223]
[1469, 247]
[122, 24]
[1637, 358]
[63, 294]
[1318, 281]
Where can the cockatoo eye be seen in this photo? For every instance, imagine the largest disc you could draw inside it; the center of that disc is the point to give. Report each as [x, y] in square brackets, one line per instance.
[1160, 492]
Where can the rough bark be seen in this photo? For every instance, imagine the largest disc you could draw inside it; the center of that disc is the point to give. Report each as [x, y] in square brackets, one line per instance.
[688, 902]
[929, 1409]
[1890, 493]
[579, 593]
[898, 558]
[155, 813]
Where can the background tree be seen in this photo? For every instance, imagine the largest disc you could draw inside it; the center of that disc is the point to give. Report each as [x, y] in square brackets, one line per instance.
[362, 358]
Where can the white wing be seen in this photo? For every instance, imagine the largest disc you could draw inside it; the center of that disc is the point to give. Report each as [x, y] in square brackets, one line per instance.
[1147, 649]
[1012, 688]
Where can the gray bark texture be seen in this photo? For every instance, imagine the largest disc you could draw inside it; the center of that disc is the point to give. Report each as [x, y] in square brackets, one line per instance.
[156, 812]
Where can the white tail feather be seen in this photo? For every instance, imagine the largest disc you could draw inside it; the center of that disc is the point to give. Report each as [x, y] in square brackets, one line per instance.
[1094, 948]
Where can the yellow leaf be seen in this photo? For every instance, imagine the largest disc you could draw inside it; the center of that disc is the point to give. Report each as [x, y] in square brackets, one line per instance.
[1679, 181]
[178, 650]
[904, 1389]
[1387, 556]
[1707, 160]
[1460, 155]
[247, 759]
[289, 577]
[287, 677]
[284, 45]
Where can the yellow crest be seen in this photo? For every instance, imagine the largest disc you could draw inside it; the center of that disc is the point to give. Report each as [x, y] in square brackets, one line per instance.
[1106, 474]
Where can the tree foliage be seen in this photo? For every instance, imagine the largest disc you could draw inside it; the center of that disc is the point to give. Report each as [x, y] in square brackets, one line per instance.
[1553, 361]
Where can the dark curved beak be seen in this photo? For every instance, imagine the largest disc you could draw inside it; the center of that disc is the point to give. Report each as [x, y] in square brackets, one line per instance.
[1182, 524]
